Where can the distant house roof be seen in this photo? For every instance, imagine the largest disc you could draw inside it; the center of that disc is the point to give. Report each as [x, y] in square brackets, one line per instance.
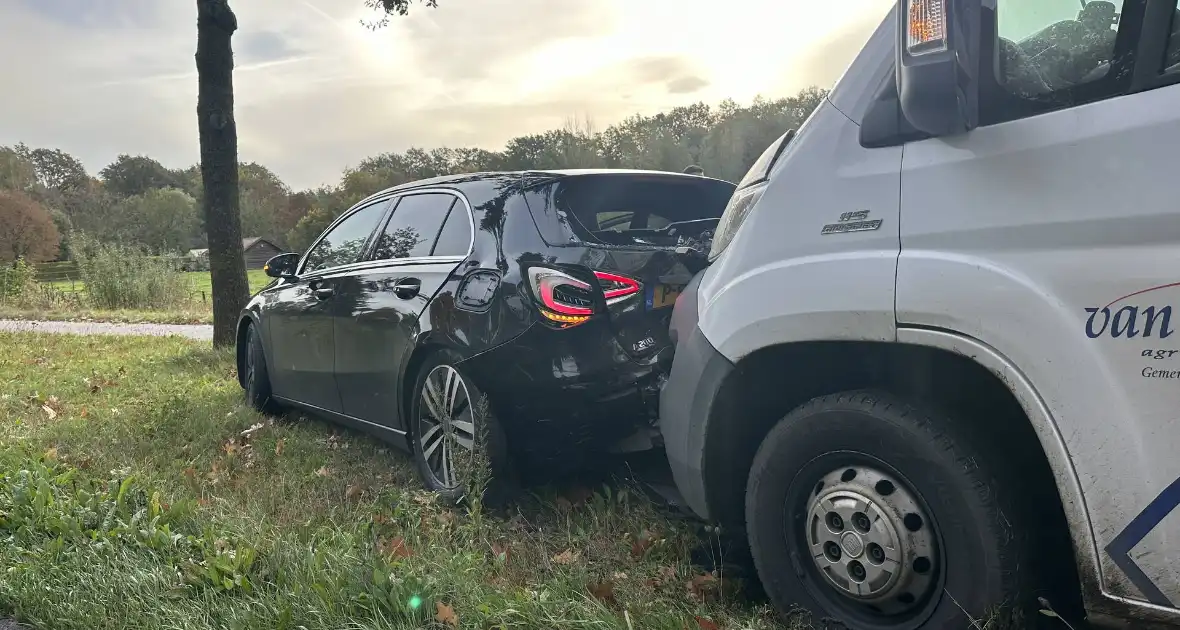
[247, 243]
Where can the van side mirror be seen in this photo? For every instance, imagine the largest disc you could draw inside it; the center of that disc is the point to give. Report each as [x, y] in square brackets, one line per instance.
[937, 64]
[282, 266]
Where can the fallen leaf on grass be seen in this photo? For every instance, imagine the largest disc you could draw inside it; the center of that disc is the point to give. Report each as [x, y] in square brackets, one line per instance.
[579, 495]
[49, 411]
[500, 552]
[642, 544]
[603, 592]
[663, 575]
[446, 614]
[706, 624]
[324, 471]
[395, 547]
[566, 557]
[254, 428]
[702, 586]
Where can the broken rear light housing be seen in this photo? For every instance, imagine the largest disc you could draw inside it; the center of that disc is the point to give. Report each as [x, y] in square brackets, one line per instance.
[567, 301]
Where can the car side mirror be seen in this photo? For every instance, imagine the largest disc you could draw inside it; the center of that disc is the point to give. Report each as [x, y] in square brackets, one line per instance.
[282, 266]
[937, 64]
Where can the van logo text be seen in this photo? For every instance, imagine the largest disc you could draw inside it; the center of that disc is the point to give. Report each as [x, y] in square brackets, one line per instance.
[1129, 322]
[852, 222]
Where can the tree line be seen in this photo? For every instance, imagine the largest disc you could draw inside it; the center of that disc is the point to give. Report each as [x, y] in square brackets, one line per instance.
[47, 194]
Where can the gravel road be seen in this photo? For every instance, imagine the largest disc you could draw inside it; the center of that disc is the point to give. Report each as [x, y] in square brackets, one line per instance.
[200, 332]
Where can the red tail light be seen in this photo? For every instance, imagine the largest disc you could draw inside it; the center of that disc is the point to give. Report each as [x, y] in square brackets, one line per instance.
[568, 301]
[616, 287]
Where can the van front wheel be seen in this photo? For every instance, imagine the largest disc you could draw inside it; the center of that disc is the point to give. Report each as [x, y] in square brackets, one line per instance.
[867, 510]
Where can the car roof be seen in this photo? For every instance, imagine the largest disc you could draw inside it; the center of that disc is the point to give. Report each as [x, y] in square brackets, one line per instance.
[468, 178]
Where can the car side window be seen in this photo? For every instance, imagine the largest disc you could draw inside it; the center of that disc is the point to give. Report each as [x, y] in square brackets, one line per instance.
[1171, 63]
[413, 226]
[1053, 54]
[344, 243]
[455, 237]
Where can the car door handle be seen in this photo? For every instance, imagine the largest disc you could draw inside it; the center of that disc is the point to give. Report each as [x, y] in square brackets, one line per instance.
[407, 288]
[323, 294]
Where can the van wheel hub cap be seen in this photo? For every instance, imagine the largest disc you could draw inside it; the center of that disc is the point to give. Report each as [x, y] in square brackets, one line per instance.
[871, 540]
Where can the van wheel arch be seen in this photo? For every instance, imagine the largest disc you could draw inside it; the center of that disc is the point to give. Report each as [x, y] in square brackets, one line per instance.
[764, 387]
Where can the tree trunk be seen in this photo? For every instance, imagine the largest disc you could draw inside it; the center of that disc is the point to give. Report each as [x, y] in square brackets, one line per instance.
[216, 24]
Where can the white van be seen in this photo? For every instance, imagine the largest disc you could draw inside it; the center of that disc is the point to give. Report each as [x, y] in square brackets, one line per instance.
[932, 370]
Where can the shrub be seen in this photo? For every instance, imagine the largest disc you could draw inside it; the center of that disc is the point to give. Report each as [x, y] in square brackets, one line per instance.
[16, 279]
[124, 277]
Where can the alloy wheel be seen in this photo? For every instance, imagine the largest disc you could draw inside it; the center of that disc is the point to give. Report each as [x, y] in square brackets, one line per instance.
[446, 425]
[251, 359]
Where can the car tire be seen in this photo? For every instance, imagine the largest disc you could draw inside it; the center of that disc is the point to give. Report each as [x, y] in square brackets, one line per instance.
[256, 379]
[468, 427]
[863, 492]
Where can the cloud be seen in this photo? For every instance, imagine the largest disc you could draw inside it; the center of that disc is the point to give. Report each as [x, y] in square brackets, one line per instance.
[315, 91]
[461, 41]
[827, 61]
[95, 13]
[265, 46]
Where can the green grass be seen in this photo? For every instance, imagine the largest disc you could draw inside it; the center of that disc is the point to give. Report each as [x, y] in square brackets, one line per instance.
[199, 281]
[192, 315]
[198, 311]
[130, 498]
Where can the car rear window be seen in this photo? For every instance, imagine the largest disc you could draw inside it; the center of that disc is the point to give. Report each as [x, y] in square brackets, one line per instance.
[629, 209]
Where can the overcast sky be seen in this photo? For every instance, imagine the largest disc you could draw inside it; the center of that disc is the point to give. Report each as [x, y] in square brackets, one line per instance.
[317, 91]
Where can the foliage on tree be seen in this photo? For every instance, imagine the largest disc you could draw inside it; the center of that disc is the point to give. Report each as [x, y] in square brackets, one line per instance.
[264, 202]
[162, 220]
[309, 227]
[17, 172]
[26, 229]
[55, 169]
[392, 7]
[134, 175]
[724, 139]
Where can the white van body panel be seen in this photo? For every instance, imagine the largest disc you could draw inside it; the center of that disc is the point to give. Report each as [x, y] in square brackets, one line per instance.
[1049, 239]
[808, 286]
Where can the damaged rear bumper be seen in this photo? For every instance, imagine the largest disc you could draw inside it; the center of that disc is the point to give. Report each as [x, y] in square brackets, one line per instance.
[564, 394]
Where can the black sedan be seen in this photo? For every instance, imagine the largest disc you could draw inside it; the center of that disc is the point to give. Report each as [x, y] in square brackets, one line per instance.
[545, 294]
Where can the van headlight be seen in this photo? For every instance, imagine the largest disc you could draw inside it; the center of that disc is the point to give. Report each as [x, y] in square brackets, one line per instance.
[740, 205]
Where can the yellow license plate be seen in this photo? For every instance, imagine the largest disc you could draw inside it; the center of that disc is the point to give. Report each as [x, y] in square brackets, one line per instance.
[663, 295]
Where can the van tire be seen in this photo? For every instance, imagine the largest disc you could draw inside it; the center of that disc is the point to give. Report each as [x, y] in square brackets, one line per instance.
[969, 525]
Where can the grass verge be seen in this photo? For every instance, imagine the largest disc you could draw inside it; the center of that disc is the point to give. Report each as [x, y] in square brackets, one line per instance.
[182, 316]
[136, 491]
[197, 311]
